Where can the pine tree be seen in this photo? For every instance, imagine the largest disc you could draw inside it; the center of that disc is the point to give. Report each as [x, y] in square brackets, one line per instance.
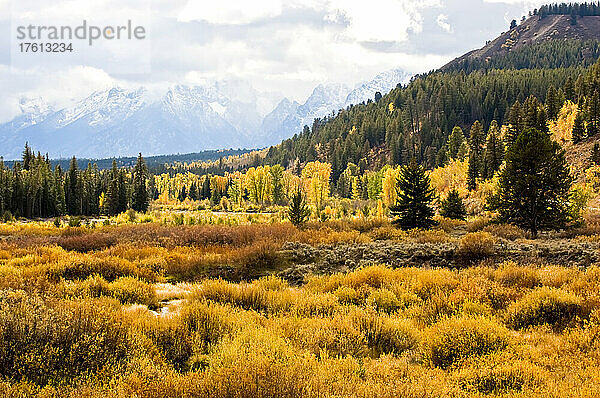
[298, 211]
[193, 193]
[453, 206]
[534, 186]
[123, 194]
[553, 103]
[182, 195]
[515, 123]
[140, 201]
[111, 202]
[27, 157]
[455, 141]
[415, 194]
[595, 158]
[578, 133]
[494, 151]
[476, 141]
[73, 189]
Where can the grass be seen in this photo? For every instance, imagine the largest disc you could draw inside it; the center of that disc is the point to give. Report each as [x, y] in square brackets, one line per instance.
[80, 316]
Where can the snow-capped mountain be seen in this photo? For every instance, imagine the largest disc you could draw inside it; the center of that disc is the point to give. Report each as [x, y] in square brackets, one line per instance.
[289, 118]
[181, 119]
[383, 83]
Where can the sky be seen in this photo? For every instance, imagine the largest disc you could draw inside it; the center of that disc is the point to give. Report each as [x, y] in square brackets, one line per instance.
[283, 46]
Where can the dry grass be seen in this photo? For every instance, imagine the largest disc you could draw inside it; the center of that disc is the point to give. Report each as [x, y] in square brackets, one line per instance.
[75, 323]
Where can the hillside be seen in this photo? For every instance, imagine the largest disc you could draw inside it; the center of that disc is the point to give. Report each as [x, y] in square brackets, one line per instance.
[544, 57]
[550, 36]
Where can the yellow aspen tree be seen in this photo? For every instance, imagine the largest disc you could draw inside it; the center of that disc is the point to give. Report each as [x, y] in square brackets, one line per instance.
[316, 177]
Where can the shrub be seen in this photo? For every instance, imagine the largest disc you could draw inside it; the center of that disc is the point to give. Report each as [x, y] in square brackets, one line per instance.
[476, 245]
[387, 233]
[383, 300]
[511, 375]
[74, 222]
[60, 341]
[429, 236]
[506, 231]
[477, 224]
[385, 334]
[130, 290]
[86, 242]
[514, 275]
[544, 306]
[455, 339]
[346, 295]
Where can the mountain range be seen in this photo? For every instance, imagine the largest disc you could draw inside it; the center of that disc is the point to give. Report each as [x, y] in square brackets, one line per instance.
[182, 119]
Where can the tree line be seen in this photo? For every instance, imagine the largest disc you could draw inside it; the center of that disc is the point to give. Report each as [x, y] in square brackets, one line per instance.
[32, 188]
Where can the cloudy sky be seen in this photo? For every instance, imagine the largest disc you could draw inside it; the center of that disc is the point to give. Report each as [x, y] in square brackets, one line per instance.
[285, 46]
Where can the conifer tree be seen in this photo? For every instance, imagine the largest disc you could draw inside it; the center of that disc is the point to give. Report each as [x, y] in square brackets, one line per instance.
[453, 206]
[553, 103]
[415, 194]
[578, 133]
[595, 158]
[476, 141]
[494, 151]
[515, 123]
[534, 186]
[123, 194]
[140, 200]
[298, 211]
[182, 195]
[72, 189]
[455, 141]
[193, 193]
[111, 202]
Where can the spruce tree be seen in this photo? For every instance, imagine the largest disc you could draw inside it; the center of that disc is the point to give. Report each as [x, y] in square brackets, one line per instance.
[140, 200]
[455, 141]
[123, 194]
[415, 194]
[453, 206]
[494, 151]
[578, 133]
[298, 211]
[534, 186]
[595, 157]
[553, 104]
[111, 202]
[515, 123]
[72, 189]
[193, 192]
[476, 141]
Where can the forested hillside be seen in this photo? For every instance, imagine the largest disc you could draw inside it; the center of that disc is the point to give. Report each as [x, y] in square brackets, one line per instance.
[415, 121]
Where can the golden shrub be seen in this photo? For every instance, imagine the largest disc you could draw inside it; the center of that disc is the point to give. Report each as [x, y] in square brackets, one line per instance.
[455, 339]
[506, 231]
[544, 306]
[477, 245]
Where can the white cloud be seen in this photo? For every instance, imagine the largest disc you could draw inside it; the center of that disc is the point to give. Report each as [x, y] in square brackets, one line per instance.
[442, 21]
[277, 45]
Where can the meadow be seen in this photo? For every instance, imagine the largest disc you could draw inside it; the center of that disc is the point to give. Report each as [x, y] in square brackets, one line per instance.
[264, 309]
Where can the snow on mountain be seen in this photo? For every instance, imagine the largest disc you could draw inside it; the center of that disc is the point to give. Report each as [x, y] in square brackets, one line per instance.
[183, 119]
[289, 118]
[383, 83]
